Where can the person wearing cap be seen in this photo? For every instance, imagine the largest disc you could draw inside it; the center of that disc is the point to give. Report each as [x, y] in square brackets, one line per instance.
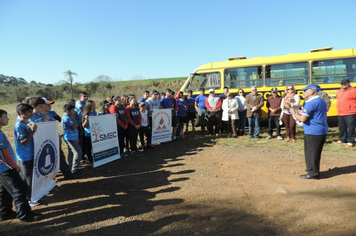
[202, 111]
[274, 111]
[104, 107]
[290, 101]
[47, 109]
[315, 127]
[213, 104]
[254, 102]
[346, 110]
[152, 103]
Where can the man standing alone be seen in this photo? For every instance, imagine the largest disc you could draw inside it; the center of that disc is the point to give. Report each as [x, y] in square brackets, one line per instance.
[315, 128]
[346, 109]
[253, 103]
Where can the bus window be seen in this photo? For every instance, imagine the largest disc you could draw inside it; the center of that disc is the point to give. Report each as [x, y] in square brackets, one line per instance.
[283, 74]
[243, 77]
[333, 71]
[205, 80]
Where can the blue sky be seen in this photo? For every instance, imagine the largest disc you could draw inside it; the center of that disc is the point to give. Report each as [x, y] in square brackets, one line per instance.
[40, 39]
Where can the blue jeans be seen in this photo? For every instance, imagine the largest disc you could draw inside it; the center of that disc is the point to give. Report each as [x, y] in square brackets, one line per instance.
[254, 125]
[241, 122]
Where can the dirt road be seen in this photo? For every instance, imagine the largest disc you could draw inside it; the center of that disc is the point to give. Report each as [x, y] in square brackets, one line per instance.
[197, 187]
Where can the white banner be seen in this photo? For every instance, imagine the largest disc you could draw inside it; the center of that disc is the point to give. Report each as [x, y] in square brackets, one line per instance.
[46, 159]
[161, 125]
[104, 139]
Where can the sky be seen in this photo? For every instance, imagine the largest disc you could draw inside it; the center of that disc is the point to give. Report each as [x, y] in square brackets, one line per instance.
[142, 39]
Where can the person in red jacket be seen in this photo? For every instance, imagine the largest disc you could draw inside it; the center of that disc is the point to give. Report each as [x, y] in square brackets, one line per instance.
[122, 123]
[213, 104]
[346, 109]
[133, 116]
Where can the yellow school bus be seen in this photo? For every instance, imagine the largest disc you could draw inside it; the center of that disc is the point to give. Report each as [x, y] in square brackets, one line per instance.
[322, 66]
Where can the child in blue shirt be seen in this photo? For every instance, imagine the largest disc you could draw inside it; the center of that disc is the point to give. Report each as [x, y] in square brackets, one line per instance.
[182, 114]
[168, 102]
[24, 145]
[89, 110]
[47, 110]
[38, 116]
[70, 136]
[191, 111]
[11, 185]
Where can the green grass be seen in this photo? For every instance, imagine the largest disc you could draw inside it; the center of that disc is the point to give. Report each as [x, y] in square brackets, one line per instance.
[150, 81]
[330, 149]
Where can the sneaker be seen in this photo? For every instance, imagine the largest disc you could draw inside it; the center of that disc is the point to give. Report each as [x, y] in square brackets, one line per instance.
[269, 137]
[125, 150]
[78, 173]
[133, 152]
[183, 136]
[349, 145]
[123, 155]
[339, 142]
[31, 217]
[33, 203]
[174, 138]
[280, 137]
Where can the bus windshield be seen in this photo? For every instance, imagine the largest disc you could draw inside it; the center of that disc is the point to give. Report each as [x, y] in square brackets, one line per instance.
[205, 80]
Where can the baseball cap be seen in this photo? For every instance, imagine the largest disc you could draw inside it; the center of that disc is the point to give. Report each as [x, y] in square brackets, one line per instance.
[48, 101]
[274, 90]
[344, 81]
[313, 87]
[105, 102]
[154, 92]
[211, 90]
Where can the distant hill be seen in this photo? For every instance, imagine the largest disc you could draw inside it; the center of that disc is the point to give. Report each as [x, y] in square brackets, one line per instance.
[12, 80]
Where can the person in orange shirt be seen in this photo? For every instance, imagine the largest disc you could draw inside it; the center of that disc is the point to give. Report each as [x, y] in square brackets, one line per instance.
[346, 109]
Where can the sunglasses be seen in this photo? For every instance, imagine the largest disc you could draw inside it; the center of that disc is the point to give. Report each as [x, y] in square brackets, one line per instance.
[289, 89]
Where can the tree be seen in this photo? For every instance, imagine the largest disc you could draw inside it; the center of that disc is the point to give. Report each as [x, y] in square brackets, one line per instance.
[69, 74]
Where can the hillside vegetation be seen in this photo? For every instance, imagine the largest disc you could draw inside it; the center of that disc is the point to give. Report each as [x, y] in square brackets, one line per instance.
[13, 89]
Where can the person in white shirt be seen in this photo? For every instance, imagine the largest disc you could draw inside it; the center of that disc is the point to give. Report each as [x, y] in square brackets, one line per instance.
[230, 114]
[145, 128]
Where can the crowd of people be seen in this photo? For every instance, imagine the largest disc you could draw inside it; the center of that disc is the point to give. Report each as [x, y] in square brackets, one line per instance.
[219, 114]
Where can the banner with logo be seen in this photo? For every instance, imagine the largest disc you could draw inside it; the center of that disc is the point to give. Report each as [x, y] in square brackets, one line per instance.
[161, 125]
[104, 139]
[46, 159]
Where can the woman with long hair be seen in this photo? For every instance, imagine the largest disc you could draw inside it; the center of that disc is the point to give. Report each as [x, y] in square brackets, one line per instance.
[241, 122]
[291, 100]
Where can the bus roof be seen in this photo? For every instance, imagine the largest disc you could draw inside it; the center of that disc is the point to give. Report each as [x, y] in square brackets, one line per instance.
[294, 57]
